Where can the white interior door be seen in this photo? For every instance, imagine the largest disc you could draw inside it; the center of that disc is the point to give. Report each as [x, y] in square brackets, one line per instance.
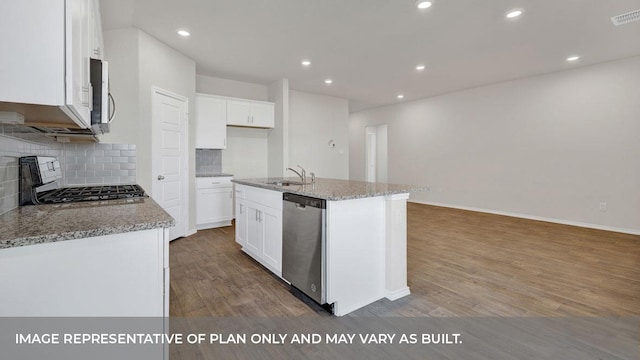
[169, 157]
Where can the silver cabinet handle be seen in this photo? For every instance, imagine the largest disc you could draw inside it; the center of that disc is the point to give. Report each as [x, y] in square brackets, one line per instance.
[86, 98]
[241, 209]
[160, 177]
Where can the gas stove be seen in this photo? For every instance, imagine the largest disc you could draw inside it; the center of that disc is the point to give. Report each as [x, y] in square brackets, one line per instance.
[39, 185]
[90, 193]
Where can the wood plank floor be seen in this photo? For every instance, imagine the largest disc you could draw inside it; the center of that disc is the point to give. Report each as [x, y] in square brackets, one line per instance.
[460, 263]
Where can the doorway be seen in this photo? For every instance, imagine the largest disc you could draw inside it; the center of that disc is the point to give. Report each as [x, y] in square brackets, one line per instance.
[376, 153]
[169, 157]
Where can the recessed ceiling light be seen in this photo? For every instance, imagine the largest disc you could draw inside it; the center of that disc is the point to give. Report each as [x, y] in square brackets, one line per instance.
[573, 58]
[421, 4]
[400, 96]
[306, 63]
[514, 13]
[184, 33]
[420, 67]
[328, 81]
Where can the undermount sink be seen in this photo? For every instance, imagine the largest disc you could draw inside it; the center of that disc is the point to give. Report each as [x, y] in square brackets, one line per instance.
[285, 183]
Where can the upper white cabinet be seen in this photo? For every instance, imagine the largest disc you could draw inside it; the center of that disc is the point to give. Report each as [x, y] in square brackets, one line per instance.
[250, 113]
[211, 122]
[45, 60]
[96, 45]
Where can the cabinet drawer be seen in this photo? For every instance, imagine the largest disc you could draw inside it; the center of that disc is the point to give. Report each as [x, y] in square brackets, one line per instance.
[269, 198]
[213, 182]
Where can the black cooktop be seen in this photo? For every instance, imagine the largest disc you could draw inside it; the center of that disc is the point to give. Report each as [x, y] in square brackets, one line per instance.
[90, 193]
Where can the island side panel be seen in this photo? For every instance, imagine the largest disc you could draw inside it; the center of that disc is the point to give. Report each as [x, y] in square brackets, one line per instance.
[396, 246]
[355, 253]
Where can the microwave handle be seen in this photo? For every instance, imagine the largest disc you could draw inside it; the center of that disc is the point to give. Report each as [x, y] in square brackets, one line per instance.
[112, 108]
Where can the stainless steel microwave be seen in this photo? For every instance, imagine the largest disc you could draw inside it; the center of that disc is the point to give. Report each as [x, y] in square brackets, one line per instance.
[103, 106]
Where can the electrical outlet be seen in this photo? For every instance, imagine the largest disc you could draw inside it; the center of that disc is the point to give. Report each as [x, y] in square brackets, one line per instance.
[603, 206]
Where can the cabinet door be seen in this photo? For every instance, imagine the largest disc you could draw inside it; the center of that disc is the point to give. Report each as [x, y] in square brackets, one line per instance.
[78, 92]
[211, 123]
[263, 115]
[241, 222]
[214, 205]
[271, 221]
[253, 243]
[32, 64]
[238, 113]
[95, 31]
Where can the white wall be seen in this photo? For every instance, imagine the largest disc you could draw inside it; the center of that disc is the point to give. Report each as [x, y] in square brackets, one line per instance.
[279, 135]
[224, 87]
[552, 146]
[121, 50]
[314, 120]
[139, 62]
[246, 155]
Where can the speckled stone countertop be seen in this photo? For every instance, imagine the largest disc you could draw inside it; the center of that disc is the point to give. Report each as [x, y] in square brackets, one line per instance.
[39, 224]
[334, 189]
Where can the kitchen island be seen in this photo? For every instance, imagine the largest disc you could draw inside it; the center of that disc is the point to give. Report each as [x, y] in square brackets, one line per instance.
[96, 258]
[366, 231]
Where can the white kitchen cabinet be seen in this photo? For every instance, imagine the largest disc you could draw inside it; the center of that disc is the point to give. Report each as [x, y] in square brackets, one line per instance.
[211, 122]
[96, 44]
[46, 60]
[214, 202]
[250, 113]
[119, 275]
[240, 216]
[259, 230]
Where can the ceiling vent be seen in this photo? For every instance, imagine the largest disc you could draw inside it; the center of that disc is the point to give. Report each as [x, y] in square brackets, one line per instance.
[626, 18]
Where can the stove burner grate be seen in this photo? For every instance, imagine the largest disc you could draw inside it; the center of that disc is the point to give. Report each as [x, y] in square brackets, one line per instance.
[90, 193]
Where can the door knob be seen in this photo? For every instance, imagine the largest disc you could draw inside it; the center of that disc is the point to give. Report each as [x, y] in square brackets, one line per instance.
[160, 177]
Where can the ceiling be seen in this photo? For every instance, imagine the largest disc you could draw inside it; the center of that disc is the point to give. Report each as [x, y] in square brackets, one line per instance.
[370, 48]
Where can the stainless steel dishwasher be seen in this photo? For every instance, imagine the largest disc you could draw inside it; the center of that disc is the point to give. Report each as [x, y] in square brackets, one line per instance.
[303, 245]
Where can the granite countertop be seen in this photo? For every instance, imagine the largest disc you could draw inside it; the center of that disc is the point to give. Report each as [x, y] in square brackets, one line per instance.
[39, 224]
[213, 175]
[334, 189]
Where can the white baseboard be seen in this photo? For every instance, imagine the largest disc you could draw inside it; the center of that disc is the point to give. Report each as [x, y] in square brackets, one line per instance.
[190, 232]
[397, 294]
[538, 218]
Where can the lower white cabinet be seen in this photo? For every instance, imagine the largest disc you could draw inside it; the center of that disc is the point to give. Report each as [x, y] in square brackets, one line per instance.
[214, 202]
[110, 275]
[259, 225]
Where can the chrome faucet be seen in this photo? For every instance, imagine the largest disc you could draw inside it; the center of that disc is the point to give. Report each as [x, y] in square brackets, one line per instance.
[303, 175]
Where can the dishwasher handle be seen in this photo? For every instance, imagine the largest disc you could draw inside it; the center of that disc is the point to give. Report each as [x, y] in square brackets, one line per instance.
[302, 202]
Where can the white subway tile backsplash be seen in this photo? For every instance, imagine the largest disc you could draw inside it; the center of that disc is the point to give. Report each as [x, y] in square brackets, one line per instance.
[127, 166]
[112, 166]
[82, 164]
[102, 163]
[120, 159]
[11, 148]
[104, 159]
